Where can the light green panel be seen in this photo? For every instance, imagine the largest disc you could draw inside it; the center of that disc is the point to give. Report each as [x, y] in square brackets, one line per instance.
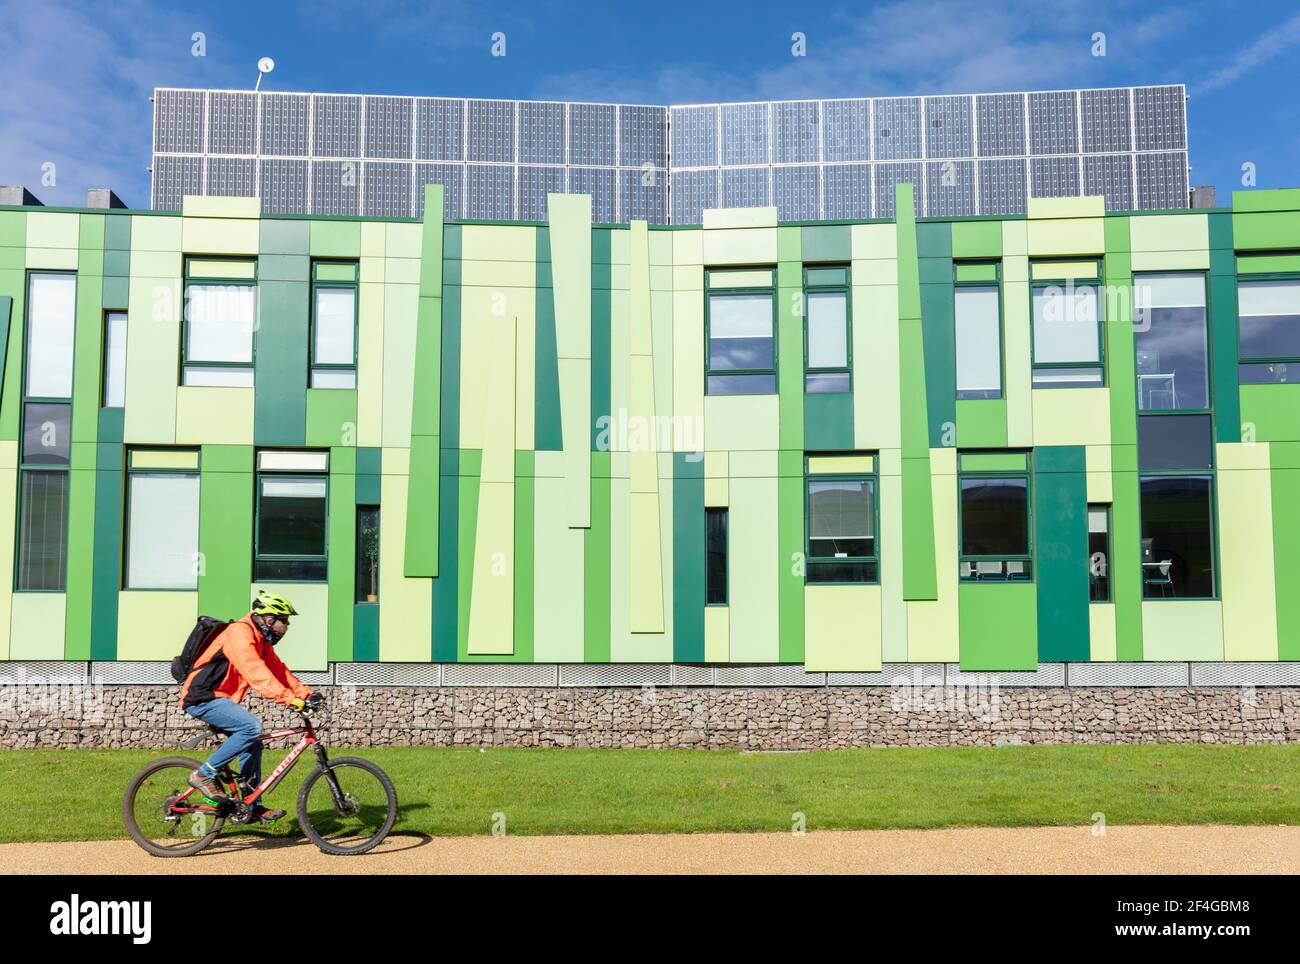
[992, 461]
[220, 206]
[932, 628]
[1182, 629]
[982, 422]
[627, 644]
[976, 239]
[8, 510]
[740, 246]
[370, 363]
[36, 626]
[1246, 561]
[842, 628]
[406, 607]
[152, 335]
[893, 607]
[1064, 237]
[754, 217]
[558, 567]
[219, 236]
[335, 239]
[342, 535]
[753, 560]
[154, 625]
[570, 235]
[717, 634]
[492, 609]
[213, 415]
[331, 416]
[1076, 416]
[47, 229]
[1101, 632]
[305, 646]
[401, 304]
[1271, 412]
[81, 555]
[876, 389]
[500, 242]
[1271, 231]
[688, 361]
[998, 625]
[742, 422]
[1016, 334]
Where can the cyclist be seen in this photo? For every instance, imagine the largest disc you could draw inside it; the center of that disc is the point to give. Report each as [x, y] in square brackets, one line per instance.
[241, 656]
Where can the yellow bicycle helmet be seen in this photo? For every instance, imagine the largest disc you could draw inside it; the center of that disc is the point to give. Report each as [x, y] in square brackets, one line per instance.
[269, 602]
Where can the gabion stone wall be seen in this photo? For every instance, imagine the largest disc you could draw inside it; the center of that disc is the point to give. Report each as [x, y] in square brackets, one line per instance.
[705, 718]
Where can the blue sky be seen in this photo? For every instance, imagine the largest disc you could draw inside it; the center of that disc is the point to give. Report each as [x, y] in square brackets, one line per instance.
[75, 78]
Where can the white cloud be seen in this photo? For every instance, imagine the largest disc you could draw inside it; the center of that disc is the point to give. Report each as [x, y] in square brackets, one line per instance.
[1279, 39]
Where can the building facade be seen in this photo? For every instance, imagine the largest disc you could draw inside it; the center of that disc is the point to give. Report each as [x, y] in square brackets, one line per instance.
[1068, 436]
[967, 154]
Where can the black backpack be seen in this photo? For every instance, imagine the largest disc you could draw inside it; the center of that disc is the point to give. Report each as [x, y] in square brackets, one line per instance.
[203, 633]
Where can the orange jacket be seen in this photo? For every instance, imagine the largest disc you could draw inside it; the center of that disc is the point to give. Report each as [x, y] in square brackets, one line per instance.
[238, 658]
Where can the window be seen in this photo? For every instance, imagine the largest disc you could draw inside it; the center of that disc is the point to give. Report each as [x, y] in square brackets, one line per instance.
[1067, 324]
[994, 511]
[1177, 536]
[1169, 339]
[292, 497]
[1099, 553]
[47, 437]
[842, 519]
[977, 315]
[162, 541]
[828, 335]
[220, 317]
[715, 539]
[367, 554]
[114, 359]
[1269, 322]
[334, 324]
[740, 332]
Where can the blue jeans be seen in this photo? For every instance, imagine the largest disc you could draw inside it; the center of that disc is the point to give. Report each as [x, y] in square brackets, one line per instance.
[243, 727]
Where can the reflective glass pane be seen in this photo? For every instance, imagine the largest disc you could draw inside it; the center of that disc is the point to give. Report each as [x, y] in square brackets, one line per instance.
[47, 433]
[816, 382]
[979, 344]
[51, 319]
[741, 385]
[1065, 324]
[715, 536]
[1269, 318]
[335, 326]
[841, 523]
[828, 342]
[220, 323]
[995, 517]
[367, 553]
[740, 331]
[291, 517]
[115, 359]
[1067, 377]
[333, 378]
[1177, 553]
[1098, 553]
[1169, 339]
[163, 531]
[199, 375]
[43, 531]
[1175, 442]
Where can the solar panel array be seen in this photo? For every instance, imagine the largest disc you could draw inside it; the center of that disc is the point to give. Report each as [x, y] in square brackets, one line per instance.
[352, 154]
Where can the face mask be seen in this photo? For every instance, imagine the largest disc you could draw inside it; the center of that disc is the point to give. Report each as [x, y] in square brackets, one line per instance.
[269, 634]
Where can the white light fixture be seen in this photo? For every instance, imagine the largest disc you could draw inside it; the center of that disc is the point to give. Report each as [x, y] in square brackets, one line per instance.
[264, 66]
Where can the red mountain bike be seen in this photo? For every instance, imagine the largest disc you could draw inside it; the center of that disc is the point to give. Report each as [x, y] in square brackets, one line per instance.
[346, 805]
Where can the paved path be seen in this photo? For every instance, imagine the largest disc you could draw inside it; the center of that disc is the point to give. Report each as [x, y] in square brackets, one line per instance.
[967, 850]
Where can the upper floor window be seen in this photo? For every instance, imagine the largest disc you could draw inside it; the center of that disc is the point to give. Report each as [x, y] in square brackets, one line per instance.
[334, 324]
[977, 317]
[292, 496]
[1067, 324]
[114, 359]
[1170, 340]
[828, 334]
[51, 321]
[842, 519]
[1099, 553]
[715, 547]
[162, 511]
[220, 317]
[1268, 310]
[994, 502]
[740, 332]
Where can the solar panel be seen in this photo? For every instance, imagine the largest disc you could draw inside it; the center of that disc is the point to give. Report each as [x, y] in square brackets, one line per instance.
[284, 186]
[1161, 181]
[178, 121]
[897, 128]
[642, 134]
[439, 129]
[949, 188]
[794, 136]
[1002, 186]
[694, 137]
[1053, 123]
[1160, 116]
[643, 195]
[173, 178]
[284, 124]
[232, 176]
[745, 136]
[1000, 120]
[691, 193]
[887, 177]
[232, 120]
[490, 192]
[336, 125]
[1105, 121]
[847, 191]
[797, 192]
[600, 183]
[948, 128]
[491, 127]
[1110, 175]
[592, 134]
[387, 189]
[744, 187]
[846, 126]
[541, 133]
[1054, 176]
[335, 187]
[388, 126]
[451, 177]
[534, 184]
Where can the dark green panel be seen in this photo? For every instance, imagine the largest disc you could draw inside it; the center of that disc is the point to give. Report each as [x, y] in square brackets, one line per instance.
[111, 422]
[1223, 329]
[6, 314]
[449, 410]
[546, 375]
[445, 598]
[280, 362]
[688, 559]
[284, 237]
[1061, 553]
[107, 570]
[117, 233]
[827, 242]
[369, 467]
[934, 251]
[365, 632]
[600, 329]
[828, 421]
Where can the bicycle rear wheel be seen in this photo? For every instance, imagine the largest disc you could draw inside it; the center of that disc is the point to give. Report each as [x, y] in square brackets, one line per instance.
[164, 815]
[358, 820]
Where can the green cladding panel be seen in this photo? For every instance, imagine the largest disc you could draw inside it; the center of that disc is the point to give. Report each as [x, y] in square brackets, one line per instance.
[1061, 560]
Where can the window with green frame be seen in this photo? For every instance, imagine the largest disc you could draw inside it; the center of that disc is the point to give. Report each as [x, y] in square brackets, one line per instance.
[1099, 552]
[977, 323]
[45, 455]
[1176, 505]
[994, 499]
[1268, 312]
[290, 541]
[334, 324]
[828, 334]
[1066, 314]
[842, 519]
[220, 318]
[1171, 341]
[162, 519]
[740, 331]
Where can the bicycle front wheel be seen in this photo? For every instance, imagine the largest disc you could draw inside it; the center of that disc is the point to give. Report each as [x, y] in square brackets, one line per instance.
[349, 808]
[164, 815]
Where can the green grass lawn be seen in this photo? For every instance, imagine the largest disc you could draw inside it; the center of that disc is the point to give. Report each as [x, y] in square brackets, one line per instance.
[76, 794]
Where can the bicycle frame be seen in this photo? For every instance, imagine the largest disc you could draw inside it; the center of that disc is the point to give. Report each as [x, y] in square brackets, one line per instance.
[309, 738]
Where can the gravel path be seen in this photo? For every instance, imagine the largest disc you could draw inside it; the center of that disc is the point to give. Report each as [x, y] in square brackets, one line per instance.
[1150, 850]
